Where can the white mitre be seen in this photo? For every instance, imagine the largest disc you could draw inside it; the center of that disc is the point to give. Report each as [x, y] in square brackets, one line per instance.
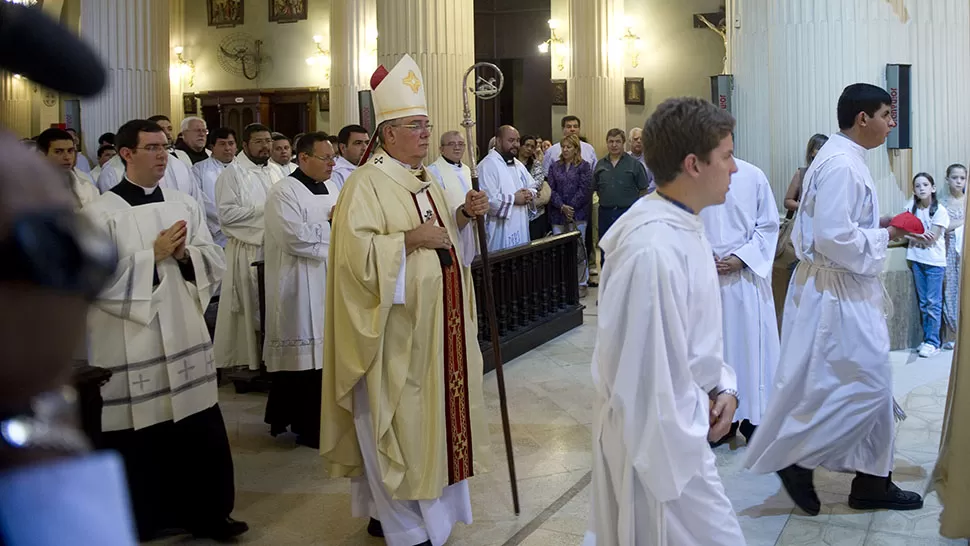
[399, 93]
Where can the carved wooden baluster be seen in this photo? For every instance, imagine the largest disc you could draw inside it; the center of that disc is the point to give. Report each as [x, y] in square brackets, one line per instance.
[548, 268]
[556, 275]
[484, 331]
[503, 298]
[513, 294]
[534, 286]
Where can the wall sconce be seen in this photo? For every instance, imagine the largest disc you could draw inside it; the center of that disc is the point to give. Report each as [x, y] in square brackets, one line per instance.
[633, 45]
[183, 68]
[555, 43]
[321, 57]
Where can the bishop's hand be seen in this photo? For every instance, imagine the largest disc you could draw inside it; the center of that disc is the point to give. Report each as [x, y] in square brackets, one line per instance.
[476, 203]
[427, 235]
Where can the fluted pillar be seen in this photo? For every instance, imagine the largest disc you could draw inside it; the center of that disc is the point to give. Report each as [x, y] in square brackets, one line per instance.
[132, 38]
[440, 36]
[15, 104]
[353, 47]
[178, 81]
[595, 83]
[792, 58]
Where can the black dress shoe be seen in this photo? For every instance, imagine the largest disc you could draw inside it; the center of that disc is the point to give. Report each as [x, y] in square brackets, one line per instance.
[880, 493]
[425, 543]
[727, 437]
[747, 430]
[374, 528]
[801, 488]
[222, 530]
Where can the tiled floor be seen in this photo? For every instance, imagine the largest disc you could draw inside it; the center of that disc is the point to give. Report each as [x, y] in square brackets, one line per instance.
[283, 493]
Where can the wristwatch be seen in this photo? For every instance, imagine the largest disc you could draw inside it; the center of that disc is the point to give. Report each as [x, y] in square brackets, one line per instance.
[732, 392]
[49, 424]
[465, 213]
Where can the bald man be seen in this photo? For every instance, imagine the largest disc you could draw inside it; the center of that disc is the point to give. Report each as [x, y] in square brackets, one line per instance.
[454, 176]
[509, 187]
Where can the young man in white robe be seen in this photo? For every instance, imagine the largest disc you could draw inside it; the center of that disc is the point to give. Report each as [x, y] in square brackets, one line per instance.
[281, 154]
[352, 141]
[161, 409]
[509, 187]
[241, 192]
[402, 381]
[662, 386]
[832, 402]
[57, 145]
[297, 243]
[743, 232]
[207, 172]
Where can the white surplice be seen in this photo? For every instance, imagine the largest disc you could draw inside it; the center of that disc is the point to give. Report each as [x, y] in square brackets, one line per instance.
[296, 250]
[746, 225]
[241, 192]
[177, 177]
[83, 187]
[456, 180]
[206, 173]
[658, 356]
[153, 338]
[508, 223]
[287, 169]
[342, 170]
[832, 403]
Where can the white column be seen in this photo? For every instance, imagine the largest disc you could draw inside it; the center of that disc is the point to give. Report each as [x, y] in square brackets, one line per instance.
[15, 104]
[595, 83]
[792, 58]
[353, 47]
[178, 82]
[440, 36]
[132, 38]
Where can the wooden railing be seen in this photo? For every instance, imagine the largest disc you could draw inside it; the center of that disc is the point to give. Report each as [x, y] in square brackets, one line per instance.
[536, 290]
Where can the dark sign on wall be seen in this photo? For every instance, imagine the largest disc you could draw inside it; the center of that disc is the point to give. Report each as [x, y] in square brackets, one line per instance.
[899, 84]
[722, 92]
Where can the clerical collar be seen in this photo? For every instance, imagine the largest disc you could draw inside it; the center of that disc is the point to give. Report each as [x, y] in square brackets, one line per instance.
[508, 157]
[136, 195]
[676, 203]
[450, 162]
[194, 156]
[258, 163]
[316, 188]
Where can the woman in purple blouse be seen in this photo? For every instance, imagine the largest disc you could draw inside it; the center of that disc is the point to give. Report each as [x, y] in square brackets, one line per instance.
[570, 179]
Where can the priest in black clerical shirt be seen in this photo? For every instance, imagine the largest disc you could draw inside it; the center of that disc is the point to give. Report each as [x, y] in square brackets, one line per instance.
[296, 247]
[161, 409]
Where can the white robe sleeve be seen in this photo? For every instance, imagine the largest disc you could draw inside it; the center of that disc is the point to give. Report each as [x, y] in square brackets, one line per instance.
[231, 211]
[284, 218]
[837, 237]
[499, 204]
[759, 252]
[129, 293]
[108, 179]
[642, 355]
[208, 258]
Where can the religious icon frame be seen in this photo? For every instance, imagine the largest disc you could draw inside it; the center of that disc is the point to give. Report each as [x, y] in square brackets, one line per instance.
[189, 105]
[276, 16]
[323, 100]
[633, 91]
[559, 94]
[218, 21]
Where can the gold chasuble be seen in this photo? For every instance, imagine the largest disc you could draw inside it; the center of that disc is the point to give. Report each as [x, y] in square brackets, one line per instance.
[416, 348]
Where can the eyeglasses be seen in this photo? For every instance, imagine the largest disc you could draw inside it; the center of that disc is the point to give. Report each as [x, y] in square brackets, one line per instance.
[417, 127]
[261, 141]
[59, 250]
[153, 148]
[455, 144]
[325, 158]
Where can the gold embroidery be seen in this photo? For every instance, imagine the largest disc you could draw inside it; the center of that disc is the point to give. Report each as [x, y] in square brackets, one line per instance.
[412, 81]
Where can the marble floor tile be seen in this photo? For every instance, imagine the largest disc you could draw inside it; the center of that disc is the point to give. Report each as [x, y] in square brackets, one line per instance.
[800, 532]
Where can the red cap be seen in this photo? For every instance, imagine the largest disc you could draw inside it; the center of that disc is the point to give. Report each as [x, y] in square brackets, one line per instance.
[908, 223]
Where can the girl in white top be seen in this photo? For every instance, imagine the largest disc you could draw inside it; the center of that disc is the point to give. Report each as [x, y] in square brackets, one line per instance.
[956, 207]
[927, 257]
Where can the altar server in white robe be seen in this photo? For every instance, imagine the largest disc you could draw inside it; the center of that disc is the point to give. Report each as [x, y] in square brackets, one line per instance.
[281, 154]
[509, 187]
[298, 212]
[177, 177]
[241, 192]
[223, 142]
[161, 408]
[352, 141]
[743, 232]
[832, 400]
[58, 146]
[662, 386]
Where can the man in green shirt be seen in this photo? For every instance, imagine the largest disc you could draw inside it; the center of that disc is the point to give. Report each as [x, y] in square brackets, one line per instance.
[619, 179]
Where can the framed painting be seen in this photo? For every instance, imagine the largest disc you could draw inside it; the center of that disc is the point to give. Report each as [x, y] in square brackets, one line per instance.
[559, 92]
[287, 11]
[633, 91]
[224, 13]
[189, 104]
[323, 100]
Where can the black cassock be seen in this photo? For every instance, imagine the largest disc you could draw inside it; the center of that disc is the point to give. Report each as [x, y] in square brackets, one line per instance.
[180, 474]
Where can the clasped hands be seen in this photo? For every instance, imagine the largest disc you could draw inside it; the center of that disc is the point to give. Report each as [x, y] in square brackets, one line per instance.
[524, 196]
[731, 264]
[171, 242]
